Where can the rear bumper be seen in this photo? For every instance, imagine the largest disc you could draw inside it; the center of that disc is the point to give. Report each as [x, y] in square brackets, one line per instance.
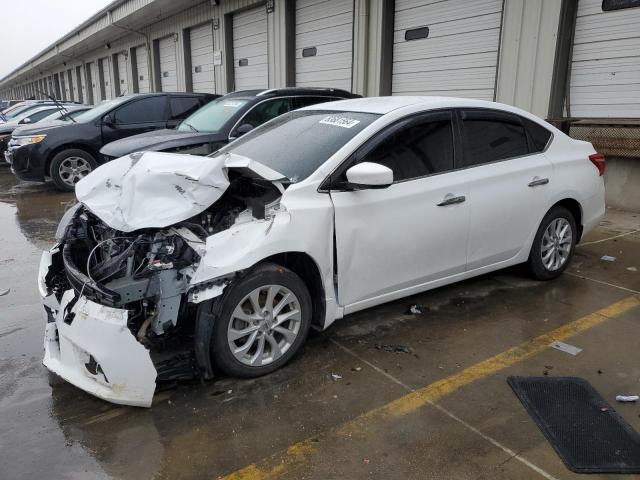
[90, 346]
[593, 209]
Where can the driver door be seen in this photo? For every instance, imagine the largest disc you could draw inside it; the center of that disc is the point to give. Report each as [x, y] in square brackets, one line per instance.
[135, 117]
[395, 241]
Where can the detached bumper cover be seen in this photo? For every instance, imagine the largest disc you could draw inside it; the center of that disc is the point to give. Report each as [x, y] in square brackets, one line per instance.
[90, 346]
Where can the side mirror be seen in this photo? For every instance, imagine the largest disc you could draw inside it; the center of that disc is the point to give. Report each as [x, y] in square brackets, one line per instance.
[108, 120]
[244, 128]
[370, 175]
[25, 120]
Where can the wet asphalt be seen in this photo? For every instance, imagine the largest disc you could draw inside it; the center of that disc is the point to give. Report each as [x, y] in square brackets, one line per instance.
[291, 424]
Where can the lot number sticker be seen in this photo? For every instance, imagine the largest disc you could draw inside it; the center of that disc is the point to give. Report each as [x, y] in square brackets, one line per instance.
[338, 121]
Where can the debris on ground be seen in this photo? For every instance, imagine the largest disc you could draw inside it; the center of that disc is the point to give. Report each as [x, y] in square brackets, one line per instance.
[608, 258]
[632, 269]
[599, 372]
[627, 398]
[356, 369]
[414, 310]
[335, 377]
[4, 292]
[565, 347]
[392, 348]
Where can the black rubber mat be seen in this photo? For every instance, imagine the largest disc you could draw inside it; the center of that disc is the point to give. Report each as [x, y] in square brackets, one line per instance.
[589, 435]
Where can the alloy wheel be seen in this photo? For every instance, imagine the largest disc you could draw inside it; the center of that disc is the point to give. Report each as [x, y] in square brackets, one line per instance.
[264, 325]
[74, 169]
[556, 244]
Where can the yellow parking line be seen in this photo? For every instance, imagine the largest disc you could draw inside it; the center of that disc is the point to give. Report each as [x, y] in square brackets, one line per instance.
[277, 464]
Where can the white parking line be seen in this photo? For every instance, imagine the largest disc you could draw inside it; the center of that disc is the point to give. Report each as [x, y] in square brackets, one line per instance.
[609, 238]
[451, 415]
[577, 275]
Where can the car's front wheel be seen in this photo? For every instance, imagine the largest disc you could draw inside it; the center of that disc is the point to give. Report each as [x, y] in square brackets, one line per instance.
[261, 321]
[70, 166]
[553, 245]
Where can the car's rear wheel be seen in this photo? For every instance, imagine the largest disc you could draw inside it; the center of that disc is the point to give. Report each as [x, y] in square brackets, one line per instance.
[70, 166]
[261, 321]
[553, 245]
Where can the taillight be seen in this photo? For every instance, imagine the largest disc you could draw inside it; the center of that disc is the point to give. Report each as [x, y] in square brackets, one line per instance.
[598, 160]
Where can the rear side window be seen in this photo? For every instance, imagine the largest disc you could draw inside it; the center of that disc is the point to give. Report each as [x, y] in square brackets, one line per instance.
[147, 110]
[182, 107]
[538, 134]
[489, 136]
[422, 147]
[265, 111]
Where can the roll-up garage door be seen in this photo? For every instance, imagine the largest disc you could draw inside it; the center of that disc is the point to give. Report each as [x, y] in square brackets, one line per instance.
[202, 76]
[63, 86]
[95, 83]
[106, 77]
[123, 74]
[250, 50]
[142, 69]
[446, 48]
[168, 74]
[324, 43]
[605, 68]
[74, 85]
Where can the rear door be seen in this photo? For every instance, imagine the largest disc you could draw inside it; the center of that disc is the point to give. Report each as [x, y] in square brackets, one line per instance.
[135, 117]
[509, 182]
[395, 241]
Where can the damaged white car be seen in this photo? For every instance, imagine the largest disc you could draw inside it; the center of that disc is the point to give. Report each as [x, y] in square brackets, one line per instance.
[176, 266]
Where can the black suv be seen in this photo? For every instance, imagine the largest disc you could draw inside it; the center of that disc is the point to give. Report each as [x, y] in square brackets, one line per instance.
[223, 120]
[68, 152]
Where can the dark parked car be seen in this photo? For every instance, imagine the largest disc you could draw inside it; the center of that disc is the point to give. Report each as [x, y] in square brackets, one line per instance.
[67, 152]
[223, 120]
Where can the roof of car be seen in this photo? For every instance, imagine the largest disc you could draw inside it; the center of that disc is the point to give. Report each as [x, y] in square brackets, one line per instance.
[384, 105]
[291, 91]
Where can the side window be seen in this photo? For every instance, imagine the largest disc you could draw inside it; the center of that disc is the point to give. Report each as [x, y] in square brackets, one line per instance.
[182, 107]
[422, 147]
[37, 116]
[151, 109]
[299, 102]
[538, 134]
[489, 136]
[265, 111]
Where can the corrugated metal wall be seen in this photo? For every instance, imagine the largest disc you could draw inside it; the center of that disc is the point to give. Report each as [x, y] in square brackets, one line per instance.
[605, 68]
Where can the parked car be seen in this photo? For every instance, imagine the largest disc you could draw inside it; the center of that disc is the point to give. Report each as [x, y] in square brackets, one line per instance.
[68, 152]
[12, 112]
[29, 117]
[316, 214]
[223, 120]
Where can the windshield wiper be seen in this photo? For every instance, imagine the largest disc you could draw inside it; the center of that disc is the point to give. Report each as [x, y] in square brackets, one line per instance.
[191, 126]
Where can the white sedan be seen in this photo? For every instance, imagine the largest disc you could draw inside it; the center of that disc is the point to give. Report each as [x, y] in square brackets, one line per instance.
[315, 215]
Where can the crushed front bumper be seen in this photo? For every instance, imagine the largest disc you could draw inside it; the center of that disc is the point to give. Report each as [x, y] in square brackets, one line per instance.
[90, 346]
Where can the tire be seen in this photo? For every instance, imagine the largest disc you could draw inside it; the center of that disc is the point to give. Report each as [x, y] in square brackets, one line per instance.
[69, 166]
[264, 279]
[557, 251]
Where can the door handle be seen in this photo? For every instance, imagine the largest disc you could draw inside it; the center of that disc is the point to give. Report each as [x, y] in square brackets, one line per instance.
[451, 200]
[538, 181]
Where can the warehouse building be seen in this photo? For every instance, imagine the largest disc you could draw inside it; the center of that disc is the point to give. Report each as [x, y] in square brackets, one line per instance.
[574, 62]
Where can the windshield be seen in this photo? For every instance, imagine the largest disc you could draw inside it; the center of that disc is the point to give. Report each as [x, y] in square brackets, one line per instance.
[213, 116]
[99, 110]
[297, 143]
[58, 115]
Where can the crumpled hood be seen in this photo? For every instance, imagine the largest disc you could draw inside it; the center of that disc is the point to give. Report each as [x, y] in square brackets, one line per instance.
[156, 190]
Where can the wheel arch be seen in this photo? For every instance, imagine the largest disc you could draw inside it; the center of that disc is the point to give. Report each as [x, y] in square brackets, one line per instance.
[68, 146]
[306, 268]
[575, 208]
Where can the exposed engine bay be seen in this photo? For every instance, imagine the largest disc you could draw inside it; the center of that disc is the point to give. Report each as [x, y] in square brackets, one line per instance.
[141, 279]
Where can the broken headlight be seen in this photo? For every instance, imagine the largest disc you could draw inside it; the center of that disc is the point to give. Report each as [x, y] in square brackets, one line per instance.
[65, 221]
